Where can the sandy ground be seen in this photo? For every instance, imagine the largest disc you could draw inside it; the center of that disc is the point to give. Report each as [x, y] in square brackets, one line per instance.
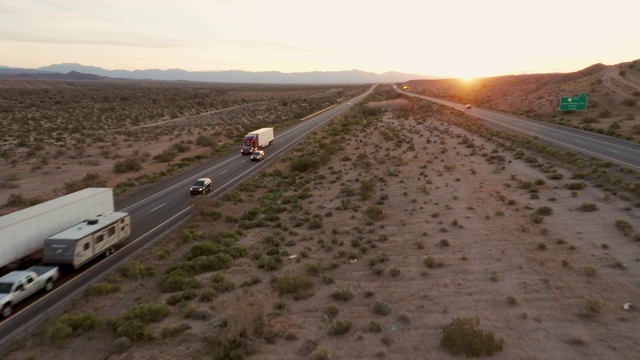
[526, 282]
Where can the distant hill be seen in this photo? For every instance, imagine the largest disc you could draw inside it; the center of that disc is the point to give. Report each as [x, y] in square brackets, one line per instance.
[70, 71]
[613, 105]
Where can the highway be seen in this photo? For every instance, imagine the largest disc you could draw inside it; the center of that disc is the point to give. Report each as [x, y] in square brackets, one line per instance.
[606, 148]
[157, 210]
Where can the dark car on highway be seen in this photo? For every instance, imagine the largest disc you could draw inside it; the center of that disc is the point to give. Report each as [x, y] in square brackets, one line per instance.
[257, 155]
[201, 186]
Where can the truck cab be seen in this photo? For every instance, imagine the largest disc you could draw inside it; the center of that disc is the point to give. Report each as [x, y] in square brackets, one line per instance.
[250, 144]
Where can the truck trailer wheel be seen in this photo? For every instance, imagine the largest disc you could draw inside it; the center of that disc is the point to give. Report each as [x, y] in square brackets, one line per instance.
[6, 310]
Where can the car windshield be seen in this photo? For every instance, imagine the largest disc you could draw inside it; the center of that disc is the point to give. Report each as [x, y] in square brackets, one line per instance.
[199, 183]
[256, 154]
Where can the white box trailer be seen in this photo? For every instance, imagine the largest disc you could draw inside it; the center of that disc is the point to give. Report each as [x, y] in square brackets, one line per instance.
[22, 233]
[84, 241]
[257, 140]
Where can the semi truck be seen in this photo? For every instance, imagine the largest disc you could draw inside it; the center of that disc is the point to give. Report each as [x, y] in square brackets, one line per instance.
[257, 140]
[85, 241]
[19, 285]
[22, 233]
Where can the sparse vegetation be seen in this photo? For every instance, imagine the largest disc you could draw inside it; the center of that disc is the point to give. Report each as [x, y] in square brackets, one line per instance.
[463, 337]
[294, 229]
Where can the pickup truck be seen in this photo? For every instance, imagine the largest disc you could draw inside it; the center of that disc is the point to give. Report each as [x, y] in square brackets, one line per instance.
[19, 285]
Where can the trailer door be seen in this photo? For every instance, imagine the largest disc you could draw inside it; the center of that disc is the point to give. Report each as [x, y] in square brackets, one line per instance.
[84, 251]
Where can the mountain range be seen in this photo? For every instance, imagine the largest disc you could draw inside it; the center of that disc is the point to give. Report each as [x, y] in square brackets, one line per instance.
[72, 71]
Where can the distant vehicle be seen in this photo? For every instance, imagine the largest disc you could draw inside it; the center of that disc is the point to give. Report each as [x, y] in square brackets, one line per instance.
[256, 140]
[19, 285]
[22, 233]
[201, 186]
[468, 106]
[85, 241]
[257, 155]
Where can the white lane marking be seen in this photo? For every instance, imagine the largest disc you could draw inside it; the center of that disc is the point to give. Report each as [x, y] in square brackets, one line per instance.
[157, 207]
[224, 171]
[611, 150]
[578, 141]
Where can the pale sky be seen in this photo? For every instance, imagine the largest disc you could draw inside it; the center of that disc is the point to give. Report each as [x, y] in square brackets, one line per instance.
[446, 38]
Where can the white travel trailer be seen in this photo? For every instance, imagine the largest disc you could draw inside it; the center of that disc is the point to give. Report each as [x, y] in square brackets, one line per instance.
[22, 233]
[85, 241]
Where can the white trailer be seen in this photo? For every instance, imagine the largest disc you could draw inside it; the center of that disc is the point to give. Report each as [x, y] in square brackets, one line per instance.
[82, 242]
[257, 140]
[22, 233]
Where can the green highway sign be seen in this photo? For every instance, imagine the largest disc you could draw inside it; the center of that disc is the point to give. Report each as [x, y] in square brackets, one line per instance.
[573, 103]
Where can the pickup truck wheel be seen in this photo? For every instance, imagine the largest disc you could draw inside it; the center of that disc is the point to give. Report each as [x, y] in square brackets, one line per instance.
[48, 286]
[6, 310]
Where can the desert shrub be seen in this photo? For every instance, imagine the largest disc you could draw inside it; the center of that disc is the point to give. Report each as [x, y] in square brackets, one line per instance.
[103, 289]
[321, 354]
[590, 308]
[588, 207]
[208, 295]
[315, 269]
[17, 200]
[147, 313]
[130, 164]
[431, 262]
[315, 223]
[220, 283]
[544, 211]
[342, 295]
[374, 327]
[366, 189]
[576, 186]
[212, 249]
[120, 345]
[590, 271]
[134, 270]
[380, 309]
[304, 164]
[624, 226]
[280, 304]
[177, 280]
[201, 264]
[234, 197]
[463, 337]
[374, 213]
[340, 327]
[346, 191]
[270, 262]
[292, 284]
[135, 330]
[167, 332]
[331, 311]
[394, 272]
[67, 326]
[555, 176]
[186, 295]
[203, 140]
[536, 218]
[233, 349]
